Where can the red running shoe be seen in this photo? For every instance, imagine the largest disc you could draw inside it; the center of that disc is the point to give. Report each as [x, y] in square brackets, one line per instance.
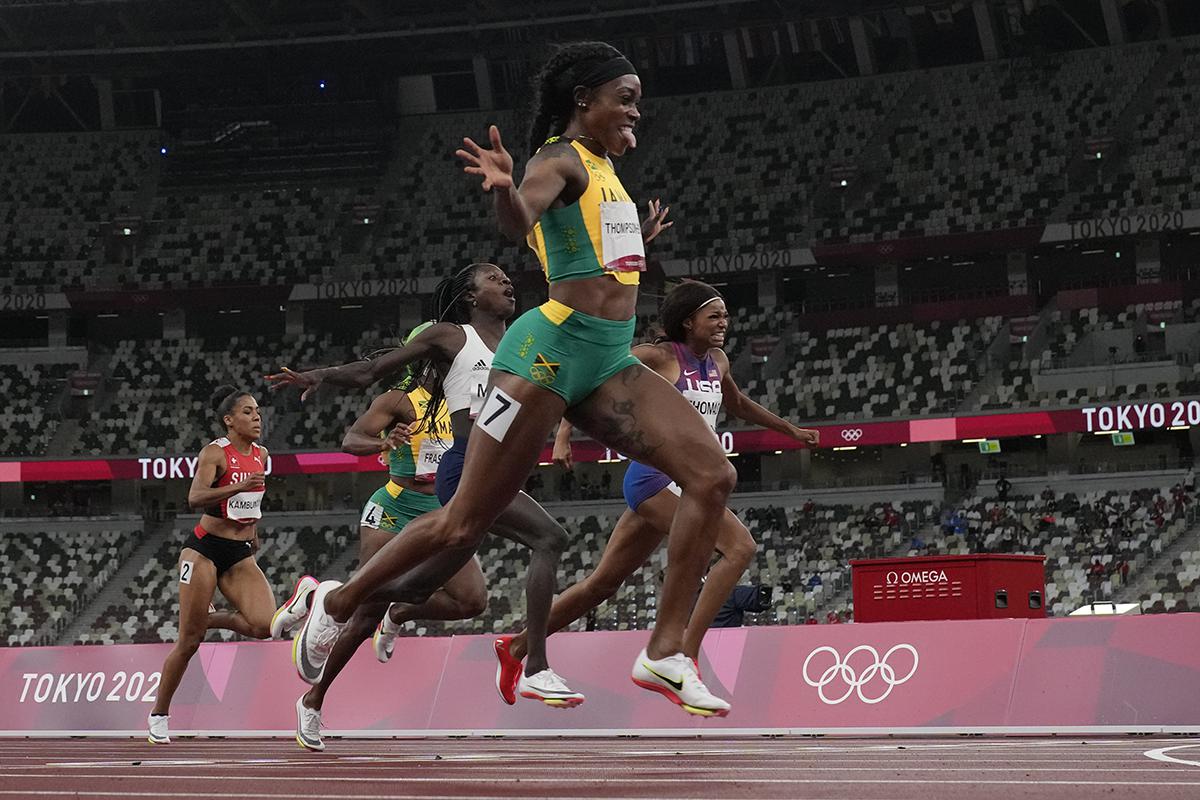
[508, 670]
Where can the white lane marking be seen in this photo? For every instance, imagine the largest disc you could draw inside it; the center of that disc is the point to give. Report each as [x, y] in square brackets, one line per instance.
[290, 796]
[458, 763]
[640, 779]
[1161, 754]
[706, 769]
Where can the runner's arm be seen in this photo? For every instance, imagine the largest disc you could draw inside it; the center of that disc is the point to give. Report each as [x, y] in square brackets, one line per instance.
[737, 404]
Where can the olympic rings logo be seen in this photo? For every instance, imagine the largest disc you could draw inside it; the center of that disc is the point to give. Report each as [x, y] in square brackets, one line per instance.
[856, 682]
[852, 434]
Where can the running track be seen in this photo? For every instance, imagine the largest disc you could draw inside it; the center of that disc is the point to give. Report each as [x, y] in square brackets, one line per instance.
[578, 769]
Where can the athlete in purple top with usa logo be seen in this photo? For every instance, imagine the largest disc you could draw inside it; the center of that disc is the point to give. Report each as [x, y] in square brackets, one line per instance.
[689, 355]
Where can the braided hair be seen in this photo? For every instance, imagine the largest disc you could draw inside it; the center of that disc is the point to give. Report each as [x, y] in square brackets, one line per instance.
[680, 304]
[450, 304]
[554, 87]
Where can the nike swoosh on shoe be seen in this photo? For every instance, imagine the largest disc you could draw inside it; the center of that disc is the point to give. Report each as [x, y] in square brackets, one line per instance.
[676, 685]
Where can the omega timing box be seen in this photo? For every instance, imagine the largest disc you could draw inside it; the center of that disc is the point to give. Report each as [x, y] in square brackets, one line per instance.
[985, 586]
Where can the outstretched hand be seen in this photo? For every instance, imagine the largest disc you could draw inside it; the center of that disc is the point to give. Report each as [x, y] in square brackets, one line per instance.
[308, 381]
[495, 166]
[807, 435]
[656, 222]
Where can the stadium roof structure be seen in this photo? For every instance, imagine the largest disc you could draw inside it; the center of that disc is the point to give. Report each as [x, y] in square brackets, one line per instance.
[82, 29]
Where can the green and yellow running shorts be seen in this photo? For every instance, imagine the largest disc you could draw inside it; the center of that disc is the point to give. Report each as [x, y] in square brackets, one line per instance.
[566, 351]
[392, 507]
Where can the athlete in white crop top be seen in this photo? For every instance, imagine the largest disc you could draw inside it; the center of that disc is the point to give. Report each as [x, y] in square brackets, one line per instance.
[466, 380]
[473, 307]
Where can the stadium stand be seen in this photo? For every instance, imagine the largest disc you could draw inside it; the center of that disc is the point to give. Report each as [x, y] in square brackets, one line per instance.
[68, 561]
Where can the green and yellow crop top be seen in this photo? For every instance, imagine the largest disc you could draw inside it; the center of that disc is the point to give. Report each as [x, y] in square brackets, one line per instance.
[419, 458]
[598, 234]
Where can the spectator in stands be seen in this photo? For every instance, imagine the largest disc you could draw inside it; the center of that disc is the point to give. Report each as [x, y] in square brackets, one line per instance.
[743, 599]
[833, 618]
[1003, 486]
[1180, 498]
[937, 468]
[1048, 501]
[814, 581]
[1096, 575]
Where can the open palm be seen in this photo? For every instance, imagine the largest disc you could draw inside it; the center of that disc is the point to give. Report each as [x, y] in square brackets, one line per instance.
[495, 166]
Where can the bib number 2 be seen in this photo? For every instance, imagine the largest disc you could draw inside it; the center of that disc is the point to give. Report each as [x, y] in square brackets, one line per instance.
[498, 412]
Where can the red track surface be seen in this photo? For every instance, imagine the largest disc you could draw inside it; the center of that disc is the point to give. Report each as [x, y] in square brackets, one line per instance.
[578, 769]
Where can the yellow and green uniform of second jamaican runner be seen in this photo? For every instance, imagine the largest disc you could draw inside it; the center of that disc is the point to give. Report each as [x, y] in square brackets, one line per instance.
[392, 506]
[553, 345]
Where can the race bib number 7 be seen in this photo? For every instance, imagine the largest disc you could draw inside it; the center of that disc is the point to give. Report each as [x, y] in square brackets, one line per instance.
[498, 412]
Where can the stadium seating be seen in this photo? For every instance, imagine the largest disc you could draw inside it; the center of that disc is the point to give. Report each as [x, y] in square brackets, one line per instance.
[1074, 532]
[1160, 172]
[68, 562]
[56, 194]
[31, 414]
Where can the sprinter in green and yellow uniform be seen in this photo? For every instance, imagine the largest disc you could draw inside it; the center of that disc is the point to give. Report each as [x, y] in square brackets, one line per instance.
[569, 357]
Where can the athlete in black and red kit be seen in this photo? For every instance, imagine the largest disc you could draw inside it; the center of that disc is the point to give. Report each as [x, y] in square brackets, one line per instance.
[228, 485]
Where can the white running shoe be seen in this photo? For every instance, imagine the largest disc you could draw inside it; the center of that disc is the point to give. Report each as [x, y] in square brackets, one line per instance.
[310, 648]
[548, 687]
[292, 613]
[157, 725]
[676, 678]
[308, 726]
[384, 640]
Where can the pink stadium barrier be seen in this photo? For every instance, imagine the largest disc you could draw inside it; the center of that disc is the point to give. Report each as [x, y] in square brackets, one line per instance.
[1114, 674]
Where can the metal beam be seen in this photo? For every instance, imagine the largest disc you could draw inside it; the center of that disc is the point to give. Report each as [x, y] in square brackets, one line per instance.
[7, 29]
[459, 29]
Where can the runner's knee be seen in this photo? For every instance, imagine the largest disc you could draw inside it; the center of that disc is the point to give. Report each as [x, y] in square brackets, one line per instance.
[711, 482]
[473, 604]
[459, 530]
[741, 552]
[260, 630]
[188, 645]
[550, 539]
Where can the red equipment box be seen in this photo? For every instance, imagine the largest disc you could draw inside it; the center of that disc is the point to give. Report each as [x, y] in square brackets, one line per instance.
[984, 586]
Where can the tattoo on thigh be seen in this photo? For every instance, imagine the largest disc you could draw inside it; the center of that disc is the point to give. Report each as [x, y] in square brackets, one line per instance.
[620, 431]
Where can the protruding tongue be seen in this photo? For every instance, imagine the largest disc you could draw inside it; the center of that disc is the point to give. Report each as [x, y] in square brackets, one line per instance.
[630, 139]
